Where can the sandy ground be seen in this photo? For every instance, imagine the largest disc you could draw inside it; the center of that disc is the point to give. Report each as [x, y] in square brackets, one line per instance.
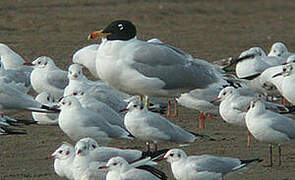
[207, 29]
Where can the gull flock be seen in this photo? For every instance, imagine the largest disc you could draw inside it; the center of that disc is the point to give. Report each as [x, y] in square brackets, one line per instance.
[133, 77]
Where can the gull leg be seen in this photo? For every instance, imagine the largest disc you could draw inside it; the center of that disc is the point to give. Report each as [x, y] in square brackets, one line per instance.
[148, 147]
[202, 120]
[280, 155]
[147, 102]
[169, 109]
[140, 98]
[248, 139]
[175, 114]
[209, 117]
[270, 156]
[155, 146]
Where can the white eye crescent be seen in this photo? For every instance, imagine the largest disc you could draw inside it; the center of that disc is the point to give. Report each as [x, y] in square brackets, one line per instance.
[120, 26]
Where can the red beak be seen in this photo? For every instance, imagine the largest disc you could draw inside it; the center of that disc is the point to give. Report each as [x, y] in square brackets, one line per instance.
[216, 99]
[28, 64]
[124, 110]
[50, 157]
[103, 167]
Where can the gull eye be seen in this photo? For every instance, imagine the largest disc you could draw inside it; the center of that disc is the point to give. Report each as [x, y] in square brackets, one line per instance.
[67, 153]
[93, 146]
[134, 105]
[75, 94]
[48, 99]
[84, 147]
[274, 51]
[224, 93]
[60, 151]
[115, 164]
[45, 63]
[63, 103]
[171, 155]
[82, 93]
[179, 155]
[39, 62]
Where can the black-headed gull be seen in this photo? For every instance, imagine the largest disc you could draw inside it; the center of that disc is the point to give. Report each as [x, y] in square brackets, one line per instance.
[86, 56]
[269, 127]
[279, 49]
[84, 167]
[119, 169]
[287, 85]
[46, 118]
[47, 77]
[12, 99]
[63, 160]
[20, 78]
[89, 102]
[78, 122]
[204, 166]
[148, 68]
[97, 89]
[152, 127]
[102, 153]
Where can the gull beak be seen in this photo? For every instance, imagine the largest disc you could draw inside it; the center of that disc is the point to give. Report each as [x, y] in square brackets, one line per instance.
[98, 34]
[123, 110]
[28, 64]
[50, 157]
[215, 100]
[55, 107]
[276, 75]
[103, 167]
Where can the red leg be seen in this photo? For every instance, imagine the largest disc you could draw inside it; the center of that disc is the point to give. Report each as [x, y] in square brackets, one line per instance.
[248, 139]
[169, 109]
[209, 117]
[202, 117]
[175, 114]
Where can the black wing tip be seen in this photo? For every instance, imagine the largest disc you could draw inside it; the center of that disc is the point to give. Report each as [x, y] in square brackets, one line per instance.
[156, 172]
[51, 109]
[248, 161]
[202, 136]
[153, 154]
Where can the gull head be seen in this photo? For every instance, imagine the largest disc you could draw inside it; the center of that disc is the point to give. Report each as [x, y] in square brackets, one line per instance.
[291, 59]
[43, 62]
[224, 93]
[63, 152]
[132, 106]
[75, 72]
[45, 98]
[116, 164]
[257, 51]
[69, 102]
[287, 70]
[81, 148]
[174, 155]
[92, 144]
[256, 104]
[278, 49]
[122, 30]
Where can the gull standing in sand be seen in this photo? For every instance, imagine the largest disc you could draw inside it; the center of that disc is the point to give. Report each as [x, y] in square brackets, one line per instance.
[97, 89]
[78, 122]
[46, 118]
[63, 160]
[152, 127]
[119, 169]
[148, 68]
[269, 127]
[204, 166]
[47, 77]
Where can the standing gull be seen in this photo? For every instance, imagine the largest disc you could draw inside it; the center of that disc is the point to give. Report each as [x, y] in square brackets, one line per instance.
[78, 122]
[148, 68]
[152, 127]
[47, 77]
[204, 166]
[269, 127]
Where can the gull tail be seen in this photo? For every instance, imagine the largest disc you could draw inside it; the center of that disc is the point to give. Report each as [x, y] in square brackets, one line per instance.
[154, 154]
[203, 136]
[9, 131]
[156, 172]
[245, 163]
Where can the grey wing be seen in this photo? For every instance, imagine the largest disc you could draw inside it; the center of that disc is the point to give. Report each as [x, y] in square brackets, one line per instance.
[19, 76]
[242, 103]
[284, 124]
[58, 79]
[174, 132]
[13, 98]
[215, 164]
[174, 67]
